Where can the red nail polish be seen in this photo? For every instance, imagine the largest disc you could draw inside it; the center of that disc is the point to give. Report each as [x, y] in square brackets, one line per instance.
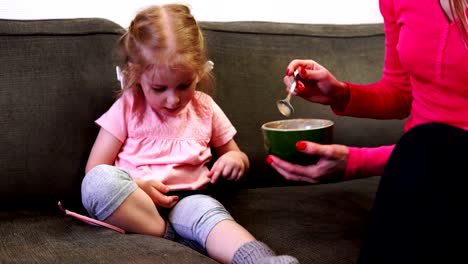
[269, 160]
[287, 72]
[300, 86]
[303, 71]
[301, 145]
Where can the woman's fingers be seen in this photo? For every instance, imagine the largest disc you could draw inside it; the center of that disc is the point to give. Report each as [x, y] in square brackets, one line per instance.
[295, 172]
[327, 151]
[331, 166]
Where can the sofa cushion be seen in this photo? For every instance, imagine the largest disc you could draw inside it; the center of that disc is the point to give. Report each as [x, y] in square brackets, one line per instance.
[48, 236]
[56, 78]
[320, 224]
[317, 224]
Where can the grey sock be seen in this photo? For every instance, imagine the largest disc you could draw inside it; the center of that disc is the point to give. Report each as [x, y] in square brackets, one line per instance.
[256, 252]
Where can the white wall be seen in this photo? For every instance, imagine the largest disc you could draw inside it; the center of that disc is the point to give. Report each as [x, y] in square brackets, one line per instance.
[297, 11]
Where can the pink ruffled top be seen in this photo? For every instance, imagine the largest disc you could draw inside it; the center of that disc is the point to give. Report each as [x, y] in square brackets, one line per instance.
[170, 149]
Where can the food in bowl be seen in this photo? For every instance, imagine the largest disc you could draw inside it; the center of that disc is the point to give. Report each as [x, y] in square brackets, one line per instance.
[280, 137]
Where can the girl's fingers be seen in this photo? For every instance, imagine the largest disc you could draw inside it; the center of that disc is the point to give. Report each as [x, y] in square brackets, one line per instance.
[161, 187]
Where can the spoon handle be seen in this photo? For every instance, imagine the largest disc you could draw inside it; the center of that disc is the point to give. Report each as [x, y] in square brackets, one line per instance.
[292, 88]
[294, 83]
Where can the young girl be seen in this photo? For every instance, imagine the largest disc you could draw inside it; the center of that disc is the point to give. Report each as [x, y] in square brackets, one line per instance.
[157, 138]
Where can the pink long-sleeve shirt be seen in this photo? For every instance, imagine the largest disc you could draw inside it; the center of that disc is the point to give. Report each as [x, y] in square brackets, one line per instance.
[425, 77]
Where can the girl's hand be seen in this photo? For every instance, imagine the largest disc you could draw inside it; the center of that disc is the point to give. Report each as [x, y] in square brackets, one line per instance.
[231, 165]
[317, 84]
[330, 167]
[156, 190]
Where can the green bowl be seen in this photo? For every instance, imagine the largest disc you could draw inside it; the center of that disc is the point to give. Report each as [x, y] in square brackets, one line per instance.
[280, 137]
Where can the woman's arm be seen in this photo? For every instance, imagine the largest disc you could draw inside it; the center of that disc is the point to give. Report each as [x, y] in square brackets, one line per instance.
[367, 162]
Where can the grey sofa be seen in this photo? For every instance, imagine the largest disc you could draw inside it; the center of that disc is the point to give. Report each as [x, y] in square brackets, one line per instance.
[58, 76]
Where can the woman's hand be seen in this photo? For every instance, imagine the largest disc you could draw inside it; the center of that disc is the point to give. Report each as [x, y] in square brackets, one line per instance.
[231, 165]
[156, 190]
[317, 84]
[330, 167]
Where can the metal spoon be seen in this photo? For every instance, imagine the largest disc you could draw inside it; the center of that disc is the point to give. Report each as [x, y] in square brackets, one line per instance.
[284, 105]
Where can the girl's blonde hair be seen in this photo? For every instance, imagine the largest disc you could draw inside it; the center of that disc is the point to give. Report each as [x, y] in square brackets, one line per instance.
[164, 35]
[458, 9]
